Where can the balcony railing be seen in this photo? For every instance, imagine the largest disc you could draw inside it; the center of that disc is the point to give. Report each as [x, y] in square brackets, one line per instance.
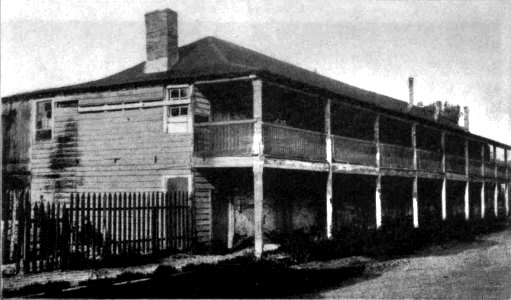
[224, 138]
[501, 169]
[474, 167]
[489, 169]
[396, 157]
[454, 164]
[354, 151]
[429, 160]
[293, 143]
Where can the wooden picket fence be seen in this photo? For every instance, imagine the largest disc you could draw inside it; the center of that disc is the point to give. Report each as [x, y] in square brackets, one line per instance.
[93, 227]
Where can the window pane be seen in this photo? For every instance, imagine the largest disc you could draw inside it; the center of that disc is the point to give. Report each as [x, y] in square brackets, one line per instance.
[184, 92]
[174, 111]
[184, 110]
[174, 93]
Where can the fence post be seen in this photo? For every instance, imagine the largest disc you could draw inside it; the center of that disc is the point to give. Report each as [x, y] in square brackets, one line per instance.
[154, 224]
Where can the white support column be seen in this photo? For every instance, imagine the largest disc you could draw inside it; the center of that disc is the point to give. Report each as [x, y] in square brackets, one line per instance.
[496, 190]
[495, 199]
[467, 200]
[258, 208]
[506, 189]
[467, 183]
[444, 179]
[507, 199]
[378, 179]
[415, 203]
[483, 206]
[378, 201]
[444, 198]
[415, 192]
[258, 165]
[329, 151]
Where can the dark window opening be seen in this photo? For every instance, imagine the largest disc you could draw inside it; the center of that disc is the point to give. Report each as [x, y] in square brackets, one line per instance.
[43, 130]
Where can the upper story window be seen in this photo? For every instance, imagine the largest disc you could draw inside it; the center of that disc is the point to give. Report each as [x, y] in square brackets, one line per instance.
[175, 93]
[43, 120]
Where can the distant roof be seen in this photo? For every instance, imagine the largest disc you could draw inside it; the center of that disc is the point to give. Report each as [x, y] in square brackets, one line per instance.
[211, 57]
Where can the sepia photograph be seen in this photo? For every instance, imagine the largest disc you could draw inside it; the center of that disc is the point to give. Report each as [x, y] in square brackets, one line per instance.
[255, 149]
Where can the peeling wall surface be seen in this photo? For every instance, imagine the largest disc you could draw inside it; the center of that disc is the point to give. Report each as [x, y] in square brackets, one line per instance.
[396, 195]
[429, 200]
[455, 199]
[353, 202]
[106, 151]
[475, 200]
[291, 202]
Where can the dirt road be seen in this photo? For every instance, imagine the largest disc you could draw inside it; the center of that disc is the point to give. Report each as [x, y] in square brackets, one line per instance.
[478, 270]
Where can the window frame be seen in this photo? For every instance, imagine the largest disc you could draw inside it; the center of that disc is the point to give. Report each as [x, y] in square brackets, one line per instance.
[179, 87]
[188, 176]
[52, 120]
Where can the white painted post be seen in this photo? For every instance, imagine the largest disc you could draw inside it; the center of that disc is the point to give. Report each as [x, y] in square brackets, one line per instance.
[378, 179]
[415, 192]
[467, 200]
[378, 201]
[258, 165]
[506, 196]
[444, 198]
[495, 199]
[230, 224]
[329, 187]
[467, 183]
[483, 206]
[496, 190]
[444, 179]
[415, 203]
[258, 208]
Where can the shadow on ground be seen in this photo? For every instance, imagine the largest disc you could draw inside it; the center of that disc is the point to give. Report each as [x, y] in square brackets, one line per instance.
[232, 280]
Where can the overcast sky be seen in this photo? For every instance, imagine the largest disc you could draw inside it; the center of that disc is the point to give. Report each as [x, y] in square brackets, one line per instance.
[459, 51]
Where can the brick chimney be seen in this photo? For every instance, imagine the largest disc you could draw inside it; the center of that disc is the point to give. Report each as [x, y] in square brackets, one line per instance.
[438, 110]
[161, 40]
[410, 92]
[465, 117]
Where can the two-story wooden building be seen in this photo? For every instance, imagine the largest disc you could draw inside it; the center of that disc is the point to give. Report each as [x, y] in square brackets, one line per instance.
[262, 146]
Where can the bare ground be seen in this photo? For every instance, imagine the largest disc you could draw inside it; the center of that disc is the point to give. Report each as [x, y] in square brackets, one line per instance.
[477, 270]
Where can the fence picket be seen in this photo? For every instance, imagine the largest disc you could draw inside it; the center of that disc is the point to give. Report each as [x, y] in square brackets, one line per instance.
[92, 226]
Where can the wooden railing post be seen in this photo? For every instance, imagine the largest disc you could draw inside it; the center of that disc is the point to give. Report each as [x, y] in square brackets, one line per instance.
[329, 182]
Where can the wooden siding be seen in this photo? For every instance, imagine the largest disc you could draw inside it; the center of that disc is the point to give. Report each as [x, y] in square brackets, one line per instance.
[202, 204]
[107, 151]
[122, 96]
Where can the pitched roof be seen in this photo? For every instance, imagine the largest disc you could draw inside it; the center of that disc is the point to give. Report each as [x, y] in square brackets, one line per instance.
[213, 57]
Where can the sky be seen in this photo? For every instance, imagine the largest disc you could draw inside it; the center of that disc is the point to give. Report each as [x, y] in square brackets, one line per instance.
[458, 51]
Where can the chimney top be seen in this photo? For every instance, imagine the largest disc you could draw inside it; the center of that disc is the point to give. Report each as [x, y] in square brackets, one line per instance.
[162, 47]
[410, 92]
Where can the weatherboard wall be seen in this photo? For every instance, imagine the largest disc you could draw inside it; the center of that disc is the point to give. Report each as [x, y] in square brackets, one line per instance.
[107, 151]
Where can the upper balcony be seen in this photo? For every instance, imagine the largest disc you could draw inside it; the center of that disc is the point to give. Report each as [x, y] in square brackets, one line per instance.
[297, 127]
